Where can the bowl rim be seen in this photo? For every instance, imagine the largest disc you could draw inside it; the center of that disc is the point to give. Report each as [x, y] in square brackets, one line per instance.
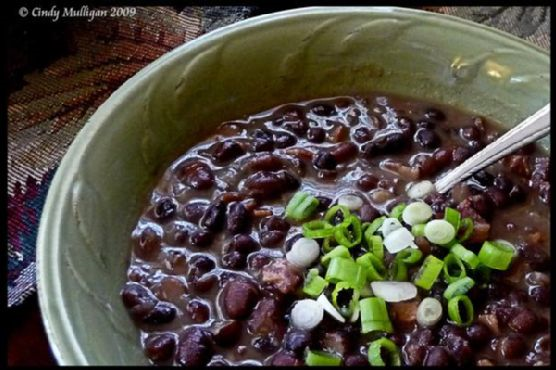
[56, 319]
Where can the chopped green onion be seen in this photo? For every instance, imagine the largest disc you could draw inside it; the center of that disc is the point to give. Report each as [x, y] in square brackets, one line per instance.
[439, 232]
[339, 251]
[417, 213]
[384, 346]
[374, 315]
[374, 226]
[328, 244]
[397, 210]
[377, 246]
[453, 268]
[321, 358]
[455, 306]
[458, 287]
[330, 215]
[453, 217]
[410, 256]
[348, 233]
[373, 266]
[418, 230]
[495, 255]
[317, 229]
[466, 229]
[464, 254]
[314, 284]
[429, 271]
[345, 310]
[343, 269]
[398, 270]
[301, 206]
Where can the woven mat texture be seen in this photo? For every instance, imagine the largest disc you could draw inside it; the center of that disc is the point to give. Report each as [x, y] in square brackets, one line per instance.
[51, 100]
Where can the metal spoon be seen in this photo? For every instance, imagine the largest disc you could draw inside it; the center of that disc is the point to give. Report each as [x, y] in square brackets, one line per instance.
[531, 129]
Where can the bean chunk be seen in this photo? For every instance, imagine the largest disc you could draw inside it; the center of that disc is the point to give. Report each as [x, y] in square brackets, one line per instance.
[195, 347]
[281, 276]
[239, 298]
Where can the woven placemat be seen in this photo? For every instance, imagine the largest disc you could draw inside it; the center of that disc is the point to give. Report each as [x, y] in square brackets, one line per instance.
[56, 100]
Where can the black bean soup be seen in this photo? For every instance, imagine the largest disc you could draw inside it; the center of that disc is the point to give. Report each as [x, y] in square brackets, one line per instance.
[209, 282]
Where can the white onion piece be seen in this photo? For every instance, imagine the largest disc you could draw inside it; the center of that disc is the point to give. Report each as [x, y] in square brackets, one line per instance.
[394, 291]
[416, 213]
[352, 202]
[304, 252]
[398, 240]
[421, 189]
[439, 232]
[327, 306]
[306, 314]
[429, 312]
[388, 225]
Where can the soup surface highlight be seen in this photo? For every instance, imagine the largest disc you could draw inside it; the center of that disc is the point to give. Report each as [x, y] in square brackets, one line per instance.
[308, 235]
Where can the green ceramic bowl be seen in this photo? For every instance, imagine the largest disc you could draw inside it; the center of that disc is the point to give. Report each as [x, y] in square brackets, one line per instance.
[106, 175]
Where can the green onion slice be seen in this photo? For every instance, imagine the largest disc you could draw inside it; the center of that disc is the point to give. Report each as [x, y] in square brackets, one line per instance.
[317, 229]
[453, 269]
[374, 315]
[301, 206]
[321, 358]
[397, 211]
[314, 284]
[373, 266]
[453, 217]
[439, 232]
[339, 251]
[417, 213]
[459, 287]
[398, 270]
[496, 255]
[328, 244]
[460, 310]
[418, 230]
[469, 258]
[386, 347]
[428, 273]
[345, 298]
[410, 256]
[348, 233]
[466, 229]
[331, 213]
[344, 269]
[374, 226]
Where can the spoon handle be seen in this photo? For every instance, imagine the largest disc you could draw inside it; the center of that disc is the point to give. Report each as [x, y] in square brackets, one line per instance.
[530, 130]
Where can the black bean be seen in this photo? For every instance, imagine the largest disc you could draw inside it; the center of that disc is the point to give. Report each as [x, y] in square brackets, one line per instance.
[534, 254]
[367, 182]
[541, 295]
[298, 127]
[344, 151]
[257, 261]
[201, 238]
[202, 284]
[478, 333]
[238, 218]
[484, 178]
[148, 244]
[284, 140]
[316, 135]
[425, 124]
[405, 124]
[443, 157]
[460, 154]
[497, 196]
[244, 244]
[197, 175]
[270, 185]
[524, 322]
[437, 356]
[356, 360]
[271, 239]
[414, 350]
[512, 346]
[228, 150]
[435, 114]
[239, 298]
[195, 347]
[193, 211]
[198, 311]
[324, 203]
[296, 341]
[368, 213]
[160, 347]
[162, 313]
[164, 208]
[362, 135]
[323, 110]
[234, 260]
[470, 133]
[427, 138]
[263, 140]
[227, 333]
[283, 358]
[138, 299]
[201, 263]
[214, 216]
[474, 146]
[325, 161]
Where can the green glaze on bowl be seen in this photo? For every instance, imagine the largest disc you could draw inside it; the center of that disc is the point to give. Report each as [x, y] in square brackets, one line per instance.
[106, 175]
